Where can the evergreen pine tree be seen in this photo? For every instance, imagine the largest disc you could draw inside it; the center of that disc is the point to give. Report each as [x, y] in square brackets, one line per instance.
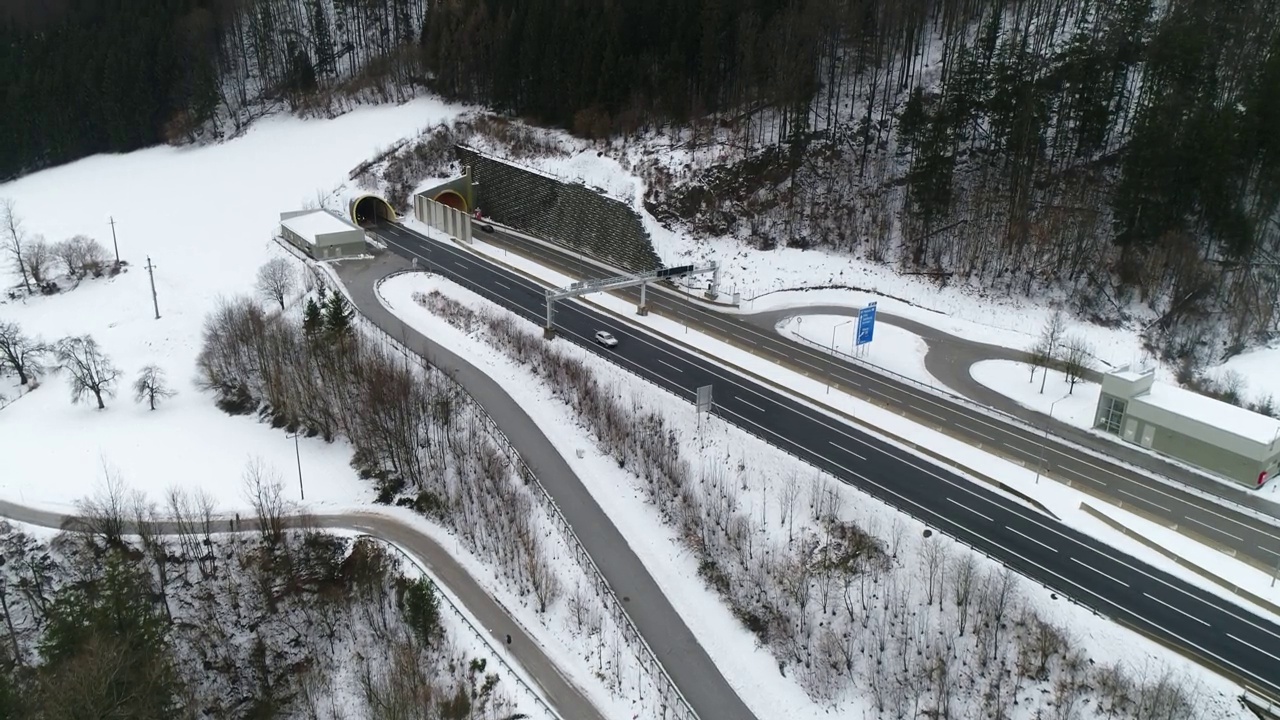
[312, 318]
[337, 316]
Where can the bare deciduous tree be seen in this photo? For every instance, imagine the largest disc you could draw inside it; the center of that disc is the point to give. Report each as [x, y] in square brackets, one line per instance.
[91, 372]
[265, 492]
[1038, 357]
[146, 525]
[15, 239]
[1050, 339]
[38, 256]
[104, 514]
[151, 386]
[276, 280]
[20, 353]
[1077, 360]
[81, 254]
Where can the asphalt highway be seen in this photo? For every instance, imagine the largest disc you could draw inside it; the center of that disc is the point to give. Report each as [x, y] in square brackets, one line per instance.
[564, 696]
[1219, 633]
[1238, 519]
[685, 661]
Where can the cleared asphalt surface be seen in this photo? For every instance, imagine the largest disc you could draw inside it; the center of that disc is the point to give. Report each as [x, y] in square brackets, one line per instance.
[677, 649]
[566, 698]
[1229, 523]
[1219, 633]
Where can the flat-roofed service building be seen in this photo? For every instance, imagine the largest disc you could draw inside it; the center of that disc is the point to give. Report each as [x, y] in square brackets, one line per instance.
[1210, 434]
[322, 234]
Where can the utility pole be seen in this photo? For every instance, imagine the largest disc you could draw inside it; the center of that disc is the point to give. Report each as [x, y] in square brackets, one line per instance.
[151, 272]
[116, 245]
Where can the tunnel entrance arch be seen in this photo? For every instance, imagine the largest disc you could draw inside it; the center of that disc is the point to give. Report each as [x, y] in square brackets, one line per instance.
[453, 199]
[370, 210]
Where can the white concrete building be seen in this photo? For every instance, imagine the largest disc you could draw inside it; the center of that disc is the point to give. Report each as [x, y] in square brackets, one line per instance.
[322, 234]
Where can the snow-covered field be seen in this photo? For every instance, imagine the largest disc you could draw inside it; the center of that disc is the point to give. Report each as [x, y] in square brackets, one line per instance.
[205, 217]
[732, 647]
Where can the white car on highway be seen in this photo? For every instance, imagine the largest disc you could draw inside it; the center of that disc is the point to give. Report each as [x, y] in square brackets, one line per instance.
[606, 339]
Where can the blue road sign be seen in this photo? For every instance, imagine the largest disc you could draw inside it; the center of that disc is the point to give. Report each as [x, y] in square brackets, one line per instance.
[866, 324]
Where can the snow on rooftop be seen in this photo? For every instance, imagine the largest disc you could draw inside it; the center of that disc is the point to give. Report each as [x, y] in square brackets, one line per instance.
[318, 222]
[1224, 416]
[1130, 375]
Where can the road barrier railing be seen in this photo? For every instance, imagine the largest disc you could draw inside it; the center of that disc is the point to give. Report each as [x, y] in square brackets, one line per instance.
[466, 620]
[673, 705]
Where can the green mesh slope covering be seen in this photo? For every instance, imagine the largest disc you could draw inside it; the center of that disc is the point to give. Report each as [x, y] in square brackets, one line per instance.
[567, 214]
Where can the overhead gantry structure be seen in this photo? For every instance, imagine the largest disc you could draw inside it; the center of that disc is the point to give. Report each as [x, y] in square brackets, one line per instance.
[586, 287]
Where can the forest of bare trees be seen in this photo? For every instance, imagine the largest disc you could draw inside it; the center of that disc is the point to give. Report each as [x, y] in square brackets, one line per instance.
[1121, 152]
[912, 625]
[195, 623]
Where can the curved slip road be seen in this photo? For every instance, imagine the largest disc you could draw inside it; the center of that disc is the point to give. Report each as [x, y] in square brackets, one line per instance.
[567, 699]
[685, 661]
[1216, 632]
[1245, 523]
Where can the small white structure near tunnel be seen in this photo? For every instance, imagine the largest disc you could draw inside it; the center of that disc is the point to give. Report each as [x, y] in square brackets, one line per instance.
[322, 234]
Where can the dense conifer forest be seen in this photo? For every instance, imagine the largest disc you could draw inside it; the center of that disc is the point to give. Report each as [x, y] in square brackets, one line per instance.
[1119, 150]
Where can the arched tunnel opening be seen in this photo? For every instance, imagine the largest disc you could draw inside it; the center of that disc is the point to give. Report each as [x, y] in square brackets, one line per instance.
[452, 199]
[371, 210]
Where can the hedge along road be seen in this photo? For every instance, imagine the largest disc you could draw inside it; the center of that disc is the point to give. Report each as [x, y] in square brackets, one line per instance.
[949, 358]
[567, 700]
[1216, 632]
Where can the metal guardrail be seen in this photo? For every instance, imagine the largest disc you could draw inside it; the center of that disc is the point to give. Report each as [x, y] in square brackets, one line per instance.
[674, 705]
[1246, 686]
[1029, 427]
[470, 625]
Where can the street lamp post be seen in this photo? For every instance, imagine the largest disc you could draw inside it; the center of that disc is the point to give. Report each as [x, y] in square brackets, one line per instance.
[1045, 440]
[302, 493]
[833, 347]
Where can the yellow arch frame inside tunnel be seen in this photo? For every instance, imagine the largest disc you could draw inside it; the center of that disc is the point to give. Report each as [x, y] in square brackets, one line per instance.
[355, 204]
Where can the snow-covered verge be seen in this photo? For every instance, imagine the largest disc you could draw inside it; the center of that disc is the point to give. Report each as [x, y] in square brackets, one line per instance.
[1022, 477]
[1052, 394]
[892, 348]
[860, 610]
[1044, 391]
[306, 624]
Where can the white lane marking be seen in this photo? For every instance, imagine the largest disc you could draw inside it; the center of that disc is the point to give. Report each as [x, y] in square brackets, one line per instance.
[1255, 647]
[460, 264]
[1241, 524]
[1020, 450]
[1028, 537]
[1273, 552]
[975, 432]
[1215, 656]
[1105, 601]
[1109, 577]
[988, 518]
[744, 402]
[817, 416]
[1214, 528]
[499, 283]
[1139, 497]
[845, 449]
[1184, 612]
[673, 367]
